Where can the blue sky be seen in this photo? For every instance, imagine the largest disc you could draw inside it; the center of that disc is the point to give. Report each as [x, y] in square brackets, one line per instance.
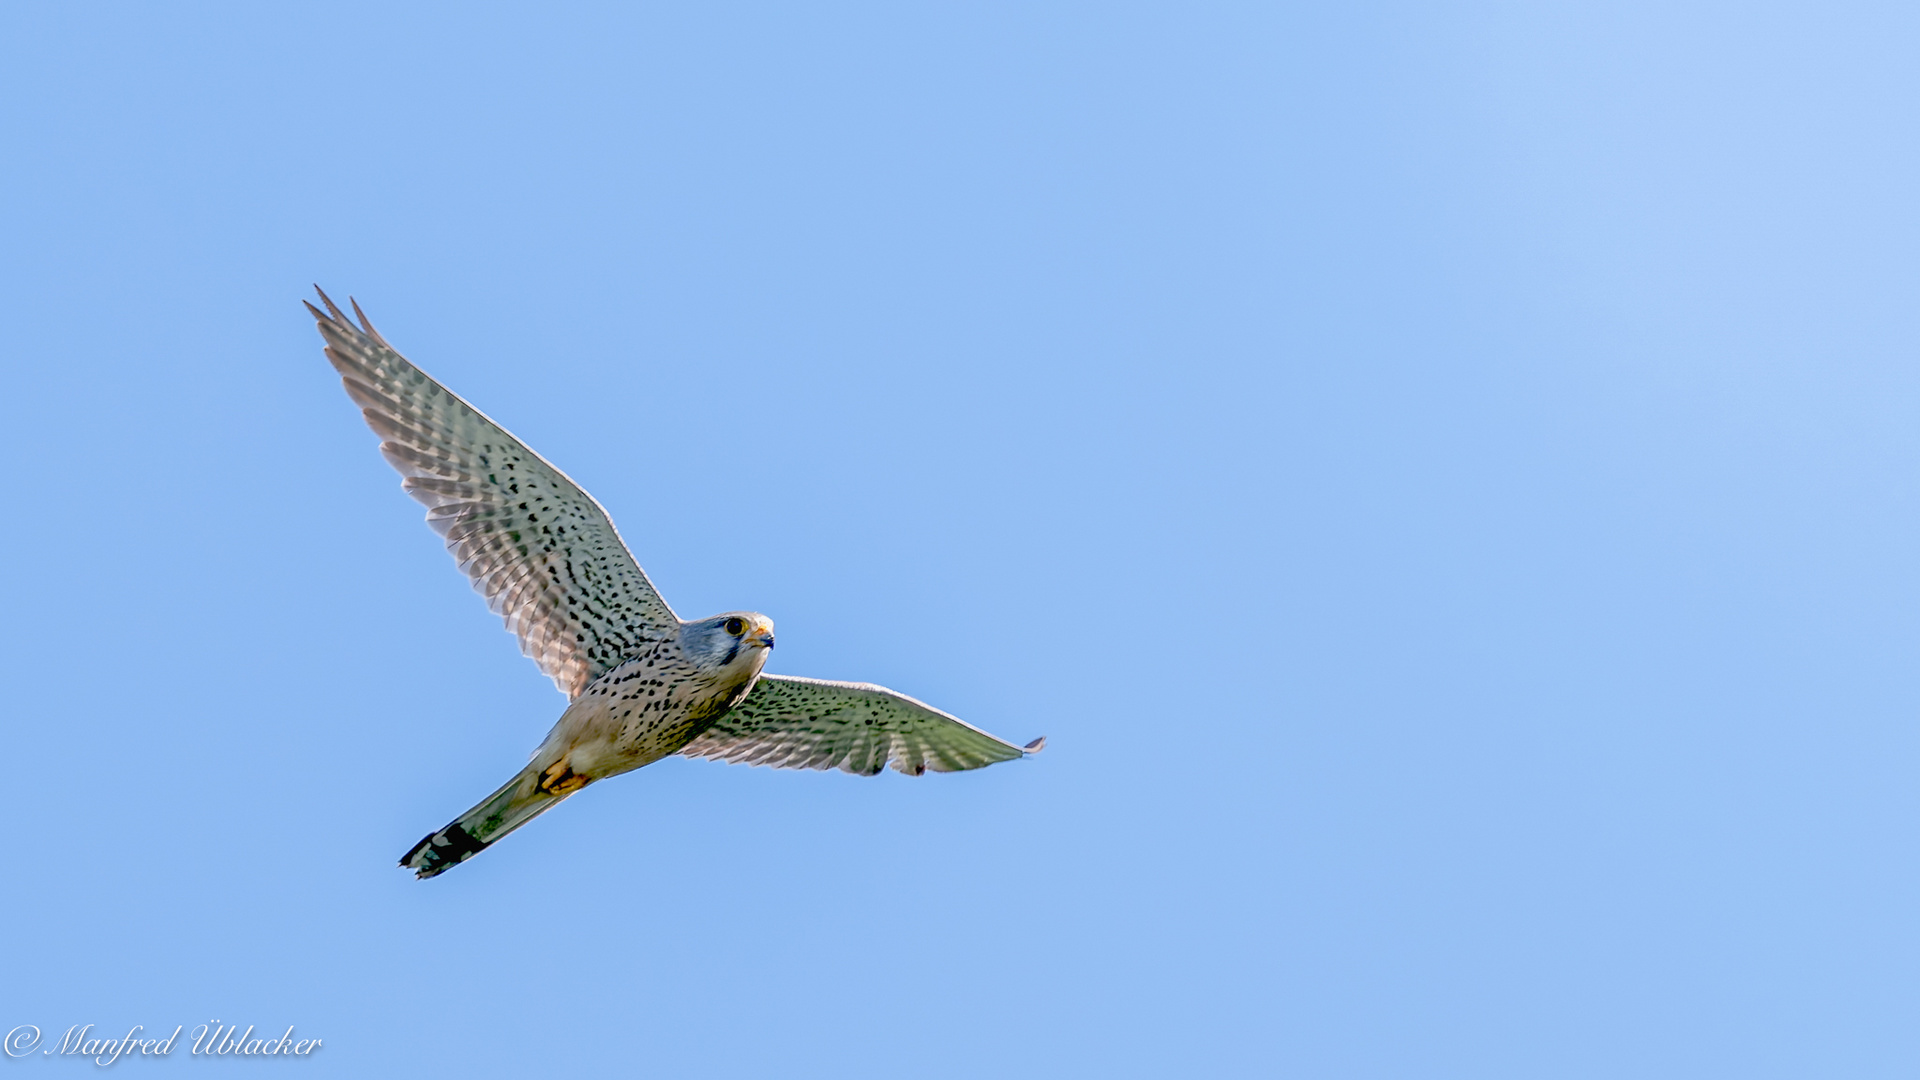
[1441, 476]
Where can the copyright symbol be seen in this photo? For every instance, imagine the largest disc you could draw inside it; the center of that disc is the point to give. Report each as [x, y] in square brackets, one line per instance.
[22, 1040]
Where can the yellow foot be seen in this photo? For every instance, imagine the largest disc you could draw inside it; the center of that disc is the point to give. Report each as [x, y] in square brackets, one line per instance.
[560, 779]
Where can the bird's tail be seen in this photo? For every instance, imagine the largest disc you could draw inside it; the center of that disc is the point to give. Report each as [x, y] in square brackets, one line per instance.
[519, 801]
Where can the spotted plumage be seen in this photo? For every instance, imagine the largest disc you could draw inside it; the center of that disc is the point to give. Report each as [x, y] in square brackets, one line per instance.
[641, 683]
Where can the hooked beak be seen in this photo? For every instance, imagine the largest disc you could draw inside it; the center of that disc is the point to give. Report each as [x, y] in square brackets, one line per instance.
[765, 641]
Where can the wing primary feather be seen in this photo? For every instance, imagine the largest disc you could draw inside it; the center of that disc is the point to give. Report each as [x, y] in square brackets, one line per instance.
[366, 323]
[338, 315]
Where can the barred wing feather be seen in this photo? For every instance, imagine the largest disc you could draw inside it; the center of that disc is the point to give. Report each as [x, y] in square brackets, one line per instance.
[541, 550]
[794, 723]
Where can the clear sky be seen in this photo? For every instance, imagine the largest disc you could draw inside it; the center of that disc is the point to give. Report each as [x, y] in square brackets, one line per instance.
[1442, 476]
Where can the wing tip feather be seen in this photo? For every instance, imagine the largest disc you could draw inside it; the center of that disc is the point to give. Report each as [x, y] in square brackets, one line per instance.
[366, 324]
[338, 316]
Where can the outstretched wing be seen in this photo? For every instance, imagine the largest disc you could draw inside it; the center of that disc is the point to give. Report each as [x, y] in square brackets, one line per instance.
[793, 723]
[543, 553]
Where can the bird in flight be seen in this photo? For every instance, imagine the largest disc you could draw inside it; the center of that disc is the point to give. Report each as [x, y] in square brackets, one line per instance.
[641, 683]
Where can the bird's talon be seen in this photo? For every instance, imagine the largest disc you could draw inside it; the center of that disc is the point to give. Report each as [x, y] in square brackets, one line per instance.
[560, 779]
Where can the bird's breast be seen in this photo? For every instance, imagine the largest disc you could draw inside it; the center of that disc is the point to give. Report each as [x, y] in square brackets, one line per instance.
[651, 706]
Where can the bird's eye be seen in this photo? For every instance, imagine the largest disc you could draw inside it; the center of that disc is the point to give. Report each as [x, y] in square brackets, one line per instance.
[736, 626]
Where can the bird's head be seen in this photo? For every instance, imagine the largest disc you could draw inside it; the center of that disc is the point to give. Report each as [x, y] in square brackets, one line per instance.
[736, 640]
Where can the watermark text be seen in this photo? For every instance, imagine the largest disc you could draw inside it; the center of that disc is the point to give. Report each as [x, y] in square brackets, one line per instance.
[212, 1039]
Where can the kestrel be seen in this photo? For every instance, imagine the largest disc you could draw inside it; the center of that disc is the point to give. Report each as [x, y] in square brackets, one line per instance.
[641, 683]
